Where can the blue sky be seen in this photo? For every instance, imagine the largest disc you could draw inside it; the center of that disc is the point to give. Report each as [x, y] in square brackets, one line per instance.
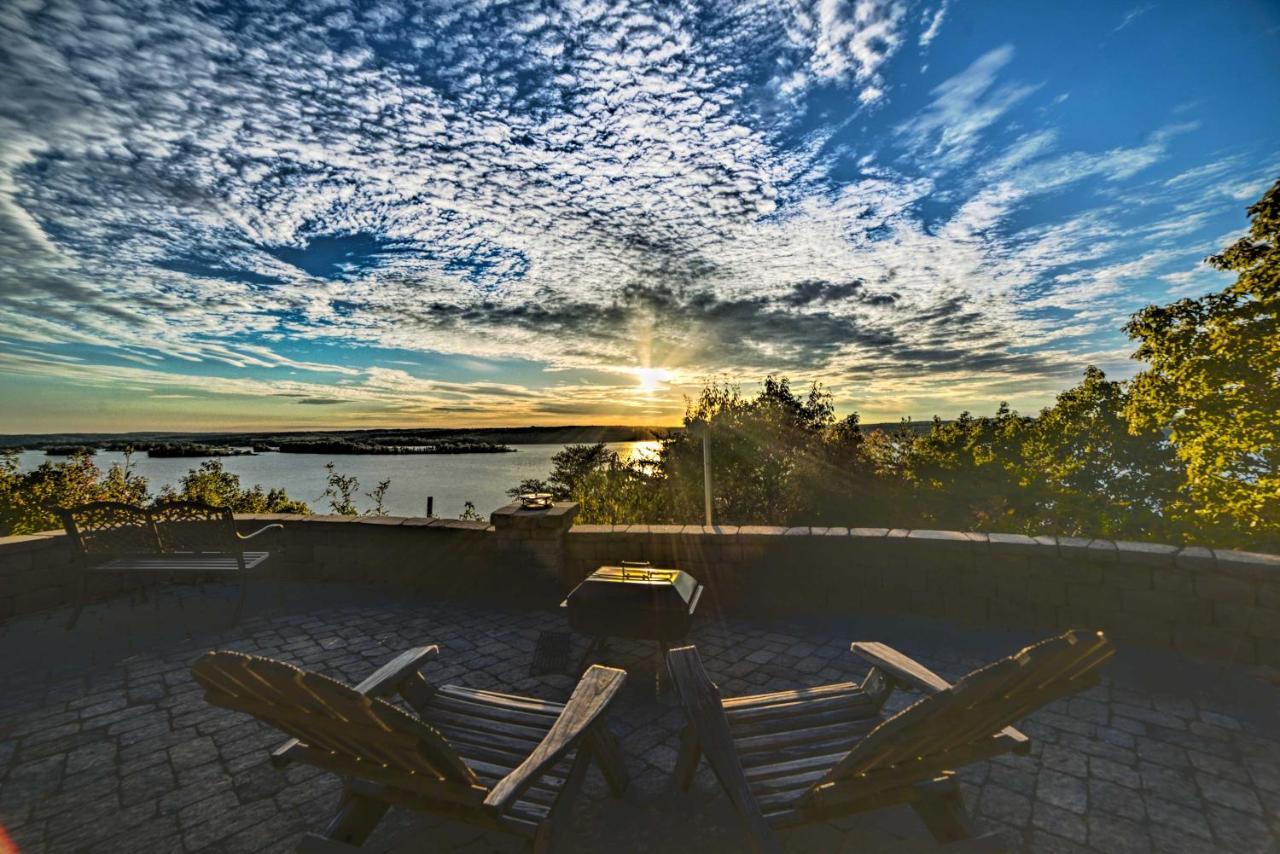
[254, 214]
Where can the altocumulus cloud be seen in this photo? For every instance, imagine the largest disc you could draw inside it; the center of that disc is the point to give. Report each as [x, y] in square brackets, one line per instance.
[603, 185]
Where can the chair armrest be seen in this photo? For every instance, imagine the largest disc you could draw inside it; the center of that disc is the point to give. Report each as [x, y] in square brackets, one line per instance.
[595, 691]
[385, 680]
[905, 670]
[388, 678]
[274, 526]
[701, 701]
[899, 667]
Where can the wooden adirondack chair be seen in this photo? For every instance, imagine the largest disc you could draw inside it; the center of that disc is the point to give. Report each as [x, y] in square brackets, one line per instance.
[814, 754]
[508, 762]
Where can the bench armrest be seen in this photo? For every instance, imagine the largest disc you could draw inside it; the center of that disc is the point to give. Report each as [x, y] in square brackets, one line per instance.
[274, 526]
[596, 690]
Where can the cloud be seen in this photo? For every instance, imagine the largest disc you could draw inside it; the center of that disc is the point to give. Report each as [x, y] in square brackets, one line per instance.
[964, 106]
[214, 199]
[935, 23]
[1133, 15]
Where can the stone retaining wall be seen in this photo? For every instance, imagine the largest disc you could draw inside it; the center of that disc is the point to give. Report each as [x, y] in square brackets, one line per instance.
[1222, 604]
[1217, 603]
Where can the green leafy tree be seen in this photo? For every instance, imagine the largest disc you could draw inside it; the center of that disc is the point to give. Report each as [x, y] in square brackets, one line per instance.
[28, 499]
[966, 473]
[1212, 382]
[213, 484]
[1089, 474]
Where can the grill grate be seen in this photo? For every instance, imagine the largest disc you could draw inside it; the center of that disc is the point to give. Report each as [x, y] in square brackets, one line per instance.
[551, 654]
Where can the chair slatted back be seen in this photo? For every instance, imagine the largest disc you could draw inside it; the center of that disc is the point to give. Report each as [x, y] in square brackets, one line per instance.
[980, 705]
[328, 715]
[110, 528]
[193, 526]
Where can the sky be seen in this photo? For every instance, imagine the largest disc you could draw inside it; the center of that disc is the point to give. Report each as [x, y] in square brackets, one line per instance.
[255, 215]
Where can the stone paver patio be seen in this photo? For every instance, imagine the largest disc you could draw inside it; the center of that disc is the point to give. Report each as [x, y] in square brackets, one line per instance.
[107, 745]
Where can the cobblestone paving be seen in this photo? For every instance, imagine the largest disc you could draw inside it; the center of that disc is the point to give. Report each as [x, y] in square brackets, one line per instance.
[107, 745]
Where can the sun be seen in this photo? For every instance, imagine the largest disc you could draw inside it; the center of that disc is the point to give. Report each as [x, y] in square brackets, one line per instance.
[651, 378]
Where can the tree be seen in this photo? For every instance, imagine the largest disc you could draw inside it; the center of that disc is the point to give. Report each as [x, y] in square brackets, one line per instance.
[28, 500]
[1212, 382]
[213, 484]
[1089, 474]
[967, 473]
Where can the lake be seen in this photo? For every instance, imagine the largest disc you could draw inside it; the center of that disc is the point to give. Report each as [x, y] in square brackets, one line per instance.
[452, 479]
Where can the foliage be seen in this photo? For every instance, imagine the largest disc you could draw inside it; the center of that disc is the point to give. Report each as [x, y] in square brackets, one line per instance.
[341, 491]
[213, 484]
[27, 499]
[1078, 468]
[1213, 382]
[469, 513]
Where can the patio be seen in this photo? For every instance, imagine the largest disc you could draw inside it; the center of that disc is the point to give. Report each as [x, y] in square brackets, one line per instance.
[106, 743]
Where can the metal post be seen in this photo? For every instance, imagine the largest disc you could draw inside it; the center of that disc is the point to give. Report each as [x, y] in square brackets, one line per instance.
[431, 500]
[706, 472]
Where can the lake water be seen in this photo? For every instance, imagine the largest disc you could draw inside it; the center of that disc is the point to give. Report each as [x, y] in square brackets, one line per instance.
[452, 479]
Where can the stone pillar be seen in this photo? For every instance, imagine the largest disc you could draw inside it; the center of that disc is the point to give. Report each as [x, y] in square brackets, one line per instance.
[531, 541]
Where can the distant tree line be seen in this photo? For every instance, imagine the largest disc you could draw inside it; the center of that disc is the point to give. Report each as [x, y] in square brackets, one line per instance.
[1187, 451]
[344, 446]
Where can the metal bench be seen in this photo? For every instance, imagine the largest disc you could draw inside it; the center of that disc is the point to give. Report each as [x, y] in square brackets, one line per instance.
[171, 538]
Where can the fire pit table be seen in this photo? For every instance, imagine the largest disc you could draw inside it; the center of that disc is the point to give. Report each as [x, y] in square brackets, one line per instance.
[633, 600]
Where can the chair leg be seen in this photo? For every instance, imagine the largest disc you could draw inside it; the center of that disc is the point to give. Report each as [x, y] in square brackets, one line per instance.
[551, 831]
[244, 590]
[356, 818]
[687, 760]
[942, 810]
[608, 755]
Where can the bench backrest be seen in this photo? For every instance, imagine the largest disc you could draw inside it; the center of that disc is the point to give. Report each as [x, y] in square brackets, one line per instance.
[193, 526]
[110, 528]
[346, 731]
[933, 731]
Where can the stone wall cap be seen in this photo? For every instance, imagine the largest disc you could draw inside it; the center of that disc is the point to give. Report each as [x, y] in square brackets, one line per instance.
[868, 532]
[328, 517]
[1196, 558]
[949, 536]
[462, 524]
[762, 530]
[1248, 564]
[31, 542]
[1156, 554]
[665, 529]
[799, 531]
[386, 521]
[836, 532]
[591, 529]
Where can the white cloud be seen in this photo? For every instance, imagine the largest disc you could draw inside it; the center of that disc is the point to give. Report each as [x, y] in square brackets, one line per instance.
[605, 187]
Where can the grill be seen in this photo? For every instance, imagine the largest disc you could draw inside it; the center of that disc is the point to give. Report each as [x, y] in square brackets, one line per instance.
[634, 600]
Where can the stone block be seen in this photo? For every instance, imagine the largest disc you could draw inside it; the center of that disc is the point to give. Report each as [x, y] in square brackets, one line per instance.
[1196, 559]
[1166, 605]
[42, 599]
[1102, 551]
[1174, 579]
[1127, 576]
[1215, 642]
[1012, 544]
[1150, 554]
[1225, 588]
[1248, 565]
